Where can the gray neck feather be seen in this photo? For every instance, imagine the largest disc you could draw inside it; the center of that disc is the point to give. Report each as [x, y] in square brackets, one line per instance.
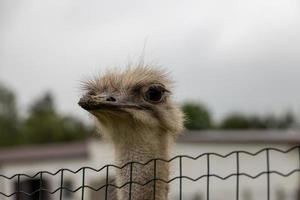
[142, 148]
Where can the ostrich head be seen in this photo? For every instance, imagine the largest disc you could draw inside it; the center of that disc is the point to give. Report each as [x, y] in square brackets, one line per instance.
[134, 109]
[137, 99]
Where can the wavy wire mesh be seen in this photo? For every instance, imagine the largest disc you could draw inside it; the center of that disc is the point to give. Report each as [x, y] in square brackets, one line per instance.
[64, 191]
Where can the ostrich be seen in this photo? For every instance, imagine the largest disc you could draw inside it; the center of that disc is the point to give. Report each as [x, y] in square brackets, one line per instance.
[134, 111]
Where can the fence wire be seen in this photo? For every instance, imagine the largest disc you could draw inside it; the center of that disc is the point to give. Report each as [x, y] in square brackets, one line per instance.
[43, 191]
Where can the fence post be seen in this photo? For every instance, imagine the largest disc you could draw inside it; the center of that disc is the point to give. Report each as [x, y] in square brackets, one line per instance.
[208, 174]
[41, 186]
[130, 183]
[268, 174]
[18, 188]
[180, 178]
[154, 179]
[106, 188]
[83, 182]
[61, 184]
[237, 175]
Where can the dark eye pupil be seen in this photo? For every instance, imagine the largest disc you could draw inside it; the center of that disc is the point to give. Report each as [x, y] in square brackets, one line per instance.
[154, 94]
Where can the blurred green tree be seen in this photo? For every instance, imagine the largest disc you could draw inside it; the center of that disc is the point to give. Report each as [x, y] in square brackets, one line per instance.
[286, 121]
[45, 125]
[197, 115]
[9, 121]
[237, 121]
[241, 121]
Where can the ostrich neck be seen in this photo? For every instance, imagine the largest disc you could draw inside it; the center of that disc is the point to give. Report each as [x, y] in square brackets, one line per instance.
[142, 148]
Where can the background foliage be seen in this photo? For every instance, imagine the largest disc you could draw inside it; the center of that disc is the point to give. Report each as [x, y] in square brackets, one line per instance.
[198, 116]
[43, 124]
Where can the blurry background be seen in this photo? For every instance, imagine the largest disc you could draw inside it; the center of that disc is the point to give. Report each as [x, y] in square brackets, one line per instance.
[232, 56]
[236, 63]
[236, 57]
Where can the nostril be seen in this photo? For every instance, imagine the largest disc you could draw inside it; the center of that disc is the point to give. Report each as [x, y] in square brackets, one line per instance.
[111, 99]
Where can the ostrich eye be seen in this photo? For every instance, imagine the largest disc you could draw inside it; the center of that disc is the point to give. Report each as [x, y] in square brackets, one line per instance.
[154, 94]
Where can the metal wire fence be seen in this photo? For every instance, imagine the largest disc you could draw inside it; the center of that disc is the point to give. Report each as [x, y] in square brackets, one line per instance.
[42, 192]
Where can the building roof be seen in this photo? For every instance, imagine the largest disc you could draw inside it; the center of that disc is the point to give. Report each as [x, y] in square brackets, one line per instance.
[242, 136]
[79, 150]
[44, 152]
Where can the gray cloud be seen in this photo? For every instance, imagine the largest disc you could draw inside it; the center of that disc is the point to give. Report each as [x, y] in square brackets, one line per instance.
[233, 55]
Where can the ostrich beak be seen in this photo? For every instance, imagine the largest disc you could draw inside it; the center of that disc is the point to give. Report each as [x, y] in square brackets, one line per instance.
[104, 102]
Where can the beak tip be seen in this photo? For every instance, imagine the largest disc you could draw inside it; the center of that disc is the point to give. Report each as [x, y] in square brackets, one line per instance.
[83, 104]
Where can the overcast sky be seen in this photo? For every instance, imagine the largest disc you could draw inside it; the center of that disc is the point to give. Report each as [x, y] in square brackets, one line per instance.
[232, 55]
